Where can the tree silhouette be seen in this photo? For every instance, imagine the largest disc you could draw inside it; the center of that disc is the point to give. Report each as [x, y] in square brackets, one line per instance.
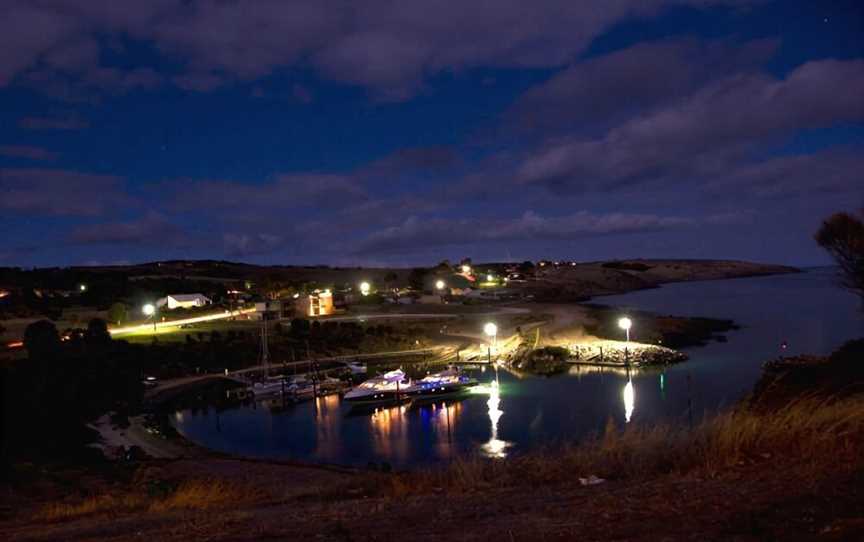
[842, 235]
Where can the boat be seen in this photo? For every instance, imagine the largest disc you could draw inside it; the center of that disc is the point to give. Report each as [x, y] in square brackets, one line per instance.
[391, 387]
[356, 368]
[295, 386]
[444, 383]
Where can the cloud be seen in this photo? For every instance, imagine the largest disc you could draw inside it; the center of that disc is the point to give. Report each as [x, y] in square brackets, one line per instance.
[29, 153]
[67, 123]
[699, 135]
[242, 244]
[831, 171]
[284, 192]
[415, 233]
[617, 85]
[60, 192]
[152, 229]
[388, 47]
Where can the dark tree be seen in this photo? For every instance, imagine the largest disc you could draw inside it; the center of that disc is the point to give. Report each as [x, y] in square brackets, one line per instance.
[97, 332]
[416, 277]
[842, 235]
[117, 313]
[41, 339]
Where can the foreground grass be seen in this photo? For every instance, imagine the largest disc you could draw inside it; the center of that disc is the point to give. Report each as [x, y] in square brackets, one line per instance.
[820, 434]
[190, 495]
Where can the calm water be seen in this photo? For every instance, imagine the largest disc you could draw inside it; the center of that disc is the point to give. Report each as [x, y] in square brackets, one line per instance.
[806, 310]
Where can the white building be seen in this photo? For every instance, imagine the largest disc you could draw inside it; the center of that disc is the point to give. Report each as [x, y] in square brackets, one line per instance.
[183, 301]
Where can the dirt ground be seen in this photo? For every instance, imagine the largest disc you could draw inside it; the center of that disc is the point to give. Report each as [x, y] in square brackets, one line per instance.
[758, 501]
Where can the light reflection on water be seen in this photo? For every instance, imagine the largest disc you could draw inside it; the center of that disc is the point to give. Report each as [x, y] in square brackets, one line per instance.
[495, 447]
[510, 414]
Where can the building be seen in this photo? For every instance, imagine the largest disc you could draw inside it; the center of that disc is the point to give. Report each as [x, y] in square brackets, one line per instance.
[183, 301]
[318, 303]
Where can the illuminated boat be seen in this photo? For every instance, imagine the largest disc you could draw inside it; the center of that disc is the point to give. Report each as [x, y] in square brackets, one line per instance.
[391, 387]
[449, 382]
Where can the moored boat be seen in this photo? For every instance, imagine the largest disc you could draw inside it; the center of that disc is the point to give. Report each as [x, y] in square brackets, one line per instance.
[444, 383]
[391, 387]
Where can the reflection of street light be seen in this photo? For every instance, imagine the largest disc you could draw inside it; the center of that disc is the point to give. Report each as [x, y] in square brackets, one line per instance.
[365, 288]
[149, 311]
[629, 400]
[625, 324]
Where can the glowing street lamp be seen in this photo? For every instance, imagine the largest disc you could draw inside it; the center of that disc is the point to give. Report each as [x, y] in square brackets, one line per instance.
[489, 278]
[625, 324]
[365, 288]
[149, 311]
[440, 285]
[466, 269]
[82, 287]
[491, 331]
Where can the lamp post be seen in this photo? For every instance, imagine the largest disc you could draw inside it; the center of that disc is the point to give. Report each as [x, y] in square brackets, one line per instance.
[491, 331]
[626, 323]
[149, 311]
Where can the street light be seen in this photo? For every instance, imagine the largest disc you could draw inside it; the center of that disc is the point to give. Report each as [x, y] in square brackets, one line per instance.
[491, 330]
[149, 311]
[489, 278]
[82, 287]
[625, 324]
[440, 285]
[365, 288]
[466, 269]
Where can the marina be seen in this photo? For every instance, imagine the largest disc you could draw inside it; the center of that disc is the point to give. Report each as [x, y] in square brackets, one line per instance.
[508, 411]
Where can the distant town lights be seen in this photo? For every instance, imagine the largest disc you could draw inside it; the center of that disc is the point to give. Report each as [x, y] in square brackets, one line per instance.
[365, 288]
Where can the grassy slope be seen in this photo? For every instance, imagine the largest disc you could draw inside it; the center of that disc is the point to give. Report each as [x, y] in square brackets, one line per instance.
[795, 472]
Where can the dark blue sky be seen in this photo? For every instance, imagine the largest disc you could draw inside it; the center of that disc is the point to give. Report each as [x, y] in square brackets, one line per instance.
[408, 132]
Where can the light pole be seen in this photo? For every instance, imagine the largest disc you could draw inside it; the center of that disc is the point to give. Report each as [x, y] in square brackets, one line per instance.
[149, 311]
[626, 323]
[491, 331]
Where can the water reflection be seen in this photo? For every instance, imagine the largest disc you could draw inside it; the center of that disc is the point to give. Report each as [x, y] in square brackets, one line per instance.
[629, 400]
[495, 447]
[327, 430]
[389, 435]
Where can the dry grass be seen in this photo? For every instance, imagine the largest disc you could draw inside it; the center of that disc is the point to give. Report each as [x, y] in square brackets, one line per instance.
[205, 495]
[190, 495]
[819, 433]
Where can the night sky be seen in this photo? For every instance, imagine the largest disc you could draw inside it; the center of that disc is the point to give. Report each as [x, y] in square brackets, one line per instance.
[405, 132]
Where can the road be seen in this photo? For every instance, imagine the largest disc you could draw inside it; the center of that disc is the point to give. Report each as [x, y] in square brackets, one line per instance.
[180, 322]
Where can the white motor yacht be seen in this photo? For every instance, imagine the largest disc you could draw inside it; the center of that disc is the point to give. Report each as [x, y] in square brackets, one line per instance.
[390, 387]
[448, 382]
